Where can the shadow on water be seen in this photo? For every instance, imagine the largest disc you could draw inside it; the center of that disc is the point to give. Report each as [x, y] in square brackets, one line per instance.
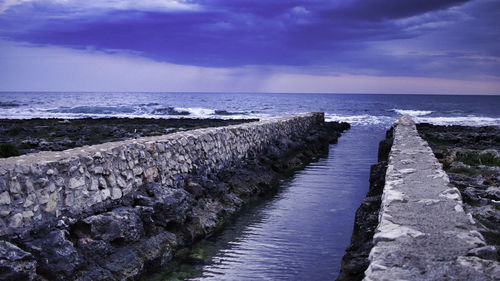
[298, 233]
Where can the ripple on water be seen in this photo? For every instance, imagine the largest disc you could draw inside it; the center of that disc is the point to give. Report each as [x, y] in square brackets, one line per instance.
[301, 232]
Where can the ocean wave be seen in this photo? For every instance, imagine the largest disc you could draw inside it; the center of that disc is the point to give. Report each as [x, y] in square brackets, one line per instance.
[143, 110]
[169, 111]
[364, 119]
[229, 113]
[388, 121]
[9, 104]
[460, 120]
[107, 110]
[198, 112]
[149, 104]
[411, 112]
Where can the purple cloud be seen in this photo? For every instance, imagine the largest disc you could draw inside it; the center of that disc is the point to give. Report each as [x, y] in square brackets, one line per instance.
[317, 35]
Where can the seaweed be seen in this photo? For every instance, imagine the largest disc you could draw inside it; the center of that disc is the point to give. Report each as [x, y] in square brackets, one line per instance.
[8, 150]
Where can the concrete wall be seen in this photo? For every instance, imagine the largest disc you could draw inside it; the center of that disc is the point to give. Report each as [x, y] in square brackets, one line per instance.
[38, 187]
[423, 231]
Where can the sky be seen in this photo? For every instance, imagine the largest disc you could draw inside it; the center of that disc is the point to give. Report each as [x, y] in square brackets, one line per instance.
[336, 46]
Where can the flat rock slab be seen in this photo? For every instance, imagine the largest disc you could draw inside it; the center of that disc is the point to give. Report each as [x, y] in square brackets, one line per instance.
[423, 231]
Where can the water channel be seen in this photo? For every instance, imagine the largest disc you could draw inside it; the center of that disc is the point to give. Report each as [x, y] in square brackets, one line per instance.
[302, 231]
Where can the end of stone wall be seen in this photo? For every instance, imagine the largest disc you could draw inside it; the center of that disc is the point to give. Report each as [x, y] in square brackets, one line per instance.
[423, 232]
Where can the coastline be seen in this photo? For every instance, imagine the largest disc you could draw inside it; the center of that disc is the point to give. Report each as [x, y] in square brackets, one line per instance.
[470, 158]
[141, 230]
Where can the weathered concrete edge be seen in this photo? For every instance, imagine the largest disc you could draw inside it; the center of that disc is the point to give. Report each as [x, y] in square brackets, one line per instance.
[388, 234]
[41, 186]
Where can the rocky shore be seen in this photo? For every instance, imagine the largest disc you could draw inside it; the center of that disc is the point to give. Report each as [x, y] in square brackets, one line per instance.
[355, 261]
[471, 158]
[21, 136]
[142, 231]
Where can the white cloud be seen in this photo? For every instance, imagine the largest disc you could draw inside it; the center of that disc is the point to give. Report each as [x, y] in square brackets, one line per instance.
[6, 4]
[299, 10]
[140, 5]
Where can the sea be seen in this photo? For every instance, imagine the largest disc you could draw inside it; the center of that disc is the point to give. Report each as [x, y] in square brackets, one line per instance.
[300, 232]
[378, 110]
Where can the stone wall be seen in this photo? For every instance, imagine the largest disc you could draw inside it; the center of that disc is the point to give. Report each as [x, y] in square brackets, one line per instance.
[41, 187]
[423, 232]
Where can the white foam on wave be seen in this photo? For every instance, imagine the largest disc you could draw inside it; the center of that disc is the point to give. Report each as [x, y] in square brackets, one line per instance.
[199, 112]
[410, 112]
[460, 120]
[364, 119]
[367, 120]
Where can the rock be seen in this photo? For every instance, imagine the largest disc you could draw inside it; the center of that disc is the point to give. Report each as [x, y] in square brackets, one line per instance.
[195, 189]
[58, 257]
[15, 186]
[28, 214]
[4, 198]
[137, 171]
[111, 180]
[493, 193]
[486, 252]
[121, 182]
[124, 263]
[473, 195]
[76, 182]
[116, 193]
[15, 263]
[169, 204]
[52, 203]
[98, 170]
[105, 194]
[94, 184]
[102, 183]
[121, 225]
[16, 221]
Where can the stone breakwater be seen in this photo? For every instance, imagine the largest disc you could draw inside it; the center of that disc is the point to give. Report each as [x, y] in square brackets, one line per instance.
[37, 187]
[471, 158]
[423, 232]
[115, 210]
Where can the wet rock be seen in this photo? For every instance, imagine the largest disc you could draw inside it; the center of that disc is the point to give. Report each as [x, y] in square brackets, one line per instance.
[15, 263]
[125, 263]
[486, 252]
[195, 189]
[170, 205]
[57, 257]
[119, 226]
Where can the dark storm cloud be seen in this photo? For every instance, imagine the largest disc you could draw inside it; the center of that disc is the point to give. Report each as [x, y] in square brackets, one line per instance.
[331, 34]
[375, 10]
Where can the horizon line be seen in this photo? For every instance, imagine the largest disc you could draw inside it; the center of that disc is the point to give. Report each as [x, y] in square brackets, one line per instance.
[252, 92]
